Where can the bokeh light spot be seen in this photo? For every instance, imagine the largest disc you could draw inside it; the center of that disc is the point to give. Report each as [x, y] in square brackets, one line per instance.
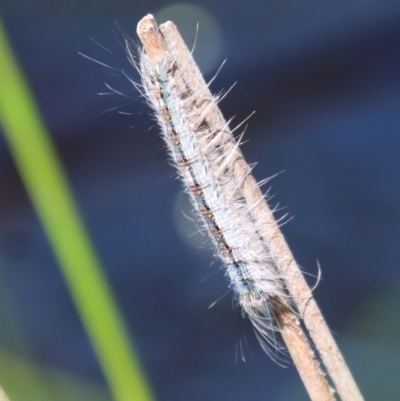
[208, 45]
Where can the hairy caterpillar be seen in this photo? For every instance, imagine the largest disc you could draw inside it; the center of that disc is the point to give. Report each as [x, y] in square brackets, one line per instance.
[264, 275]
[204, 166]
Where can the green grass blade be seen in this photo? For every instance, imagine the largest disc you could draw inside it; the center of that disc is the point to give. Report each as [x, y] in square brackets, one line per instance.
[46, 183]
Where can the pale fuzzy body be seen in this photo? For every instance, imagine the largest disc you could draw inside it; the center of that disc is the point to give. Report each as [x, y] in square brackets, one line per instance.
[215, 194]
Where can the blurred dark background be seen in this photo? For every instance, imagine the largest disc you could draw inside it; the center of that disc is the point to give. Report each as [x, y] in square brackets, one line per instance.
[324, 79]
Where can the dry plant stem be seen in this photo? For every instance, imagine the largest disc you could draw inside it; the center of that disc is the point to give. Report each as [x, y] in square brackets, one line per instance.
[294, 280]
[167, 39]
[303, 357]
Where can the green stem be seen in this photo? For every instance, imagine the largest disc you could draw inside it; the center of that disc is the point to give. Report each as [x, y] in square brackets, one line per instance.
[45, 180]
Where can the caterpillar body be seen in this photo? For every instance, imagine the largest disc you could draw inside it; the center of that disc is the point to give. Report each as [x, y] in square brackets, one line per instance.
[204, 168]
